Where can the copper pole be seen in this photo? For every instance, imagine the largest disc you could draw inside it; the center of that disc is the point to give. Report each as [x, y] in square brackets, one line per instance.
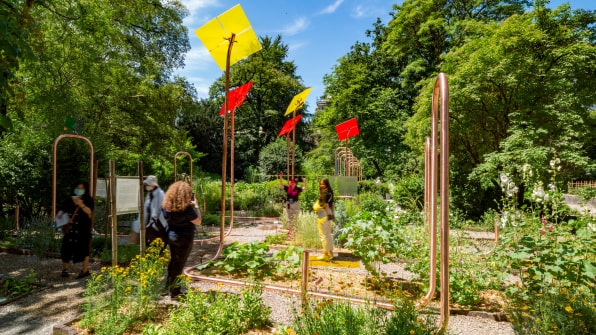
[441, 90]
[91, 189]
[288, 155]
[430, 217]
[224, 158]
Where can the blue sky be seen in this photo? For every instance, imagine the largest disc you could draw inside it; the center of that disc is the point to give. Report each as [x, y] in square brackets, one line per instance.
[318, 32]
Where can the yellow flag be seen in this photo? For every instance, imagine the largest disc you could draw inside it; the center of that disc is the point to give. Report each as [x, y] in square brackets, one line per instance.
[216, 35]
[298, 100]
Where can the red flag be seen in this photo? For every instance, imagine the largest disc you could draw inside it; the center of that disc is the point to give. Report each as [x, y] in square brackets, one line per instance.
[236, 97]
[289, 125]
[347, 129]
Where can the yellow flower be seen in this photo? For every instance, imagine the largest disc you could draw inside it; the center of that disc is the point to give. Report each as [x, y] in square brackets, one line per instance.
[316, 316]
[412, 332]
[568, 309]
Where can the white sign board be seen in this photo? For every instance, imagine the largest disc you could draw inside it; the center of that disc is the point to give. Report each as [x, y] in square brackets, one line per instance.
[127, 195]
[101, 189]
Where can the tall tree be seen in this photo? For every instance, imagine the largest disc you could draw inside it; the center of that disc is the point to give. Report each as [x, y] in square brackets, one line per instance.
[365, 85]
[520, 96]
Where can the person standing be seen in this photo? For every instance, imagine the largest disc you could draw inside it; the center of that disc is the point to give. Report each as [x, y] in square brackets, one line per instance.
[182, 213]
[292, 199]
[76, 243]
[324, 208]
[154, 227]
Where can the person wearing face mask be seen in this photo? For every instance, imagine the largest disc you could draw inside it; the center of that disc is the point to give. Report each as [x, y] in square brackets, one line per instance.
[76, 243]
[154, 226]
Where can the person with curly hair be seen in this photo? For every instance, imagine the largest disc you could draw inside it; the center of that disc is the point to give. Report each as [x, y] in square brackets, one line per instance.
[182, 213]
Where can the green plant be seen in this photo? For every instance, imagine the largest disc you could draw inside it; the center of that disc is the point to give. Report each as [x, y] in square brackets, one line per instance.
[126, 253]
[38, 235]
[557, 310]
[13, 286]
[371, 202]
[409, 192]
[216, 312]
[254, 259]
[307, 233]
[373, 237]
[279, 238]
[118, 297]
[339, 317]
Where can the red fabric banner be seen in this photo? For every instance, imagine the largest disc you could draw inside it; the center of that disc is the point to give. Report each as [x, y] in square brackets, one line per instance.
[347, 129]
[289, 125]
[236, 97]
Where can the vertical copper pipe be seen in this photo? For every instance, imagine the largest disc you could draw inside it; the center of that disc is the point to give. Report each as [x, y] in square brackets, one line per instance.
[430, 219]
[294, 142]
[142, 231]
[426, 184]
[441, 90]
[224, 158]
[232, 168]
[91, 189]
[304, 284]
[288, 155]
[113, 213]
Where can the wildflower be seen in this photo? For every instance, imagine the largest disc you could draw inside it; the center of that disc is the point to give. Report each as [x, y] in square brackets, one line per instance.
[412, 332]
[568, 309]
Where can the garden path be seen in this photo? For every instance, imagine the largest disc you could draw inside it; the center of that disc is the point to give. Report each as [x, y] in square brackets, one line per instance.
[60, 301]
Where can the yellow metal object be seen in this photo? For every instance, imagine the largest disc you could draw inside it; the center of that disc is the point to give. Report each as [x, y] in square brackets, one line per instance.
[313, 261]
[297, 101]
[216, 33]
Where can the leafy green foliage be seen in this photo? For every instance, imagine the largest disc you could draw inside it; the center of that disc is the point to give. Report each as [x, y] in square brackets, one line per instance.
[216, 313]
[373, 237]
[13, 286]
[254, 259]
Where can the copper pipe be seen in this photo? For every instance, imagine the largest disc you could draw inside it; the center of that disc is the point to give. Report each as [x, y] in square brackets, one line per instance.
[441, 90]
[430, 219]
[175, 159]
[273, 288]
[288, 155]
[91, 189]
[426, 183]
[224, 158]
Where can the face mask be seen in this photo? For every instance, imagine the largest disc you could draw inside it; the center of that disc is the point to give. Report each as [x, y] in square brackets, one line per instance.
[79, 191]
[148, 188]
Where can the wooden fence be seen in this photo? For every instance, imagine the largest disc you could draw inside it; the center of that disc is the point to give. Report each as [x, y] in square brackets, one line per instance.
[581, 184]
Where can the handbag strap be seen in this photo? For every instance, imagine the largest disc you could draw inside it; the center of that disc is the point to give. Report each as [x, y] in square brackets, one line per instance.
[73, 214]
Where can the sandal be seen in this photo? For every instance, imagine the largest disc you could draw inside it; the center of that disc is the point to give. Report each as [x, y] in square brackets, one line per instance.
[64, 274]
[83, 274]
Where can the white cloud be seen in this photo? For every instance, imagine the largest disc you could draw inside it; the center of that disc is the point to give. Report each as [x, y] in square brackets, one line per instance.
[296, 46]
[194, 7]
[197, 58]
[297, 26]
[358, 11]
[331, 8]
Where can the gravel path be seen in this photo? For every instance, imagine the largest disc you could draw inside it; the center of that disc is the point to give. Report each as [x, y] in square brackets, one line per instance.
[60, 300]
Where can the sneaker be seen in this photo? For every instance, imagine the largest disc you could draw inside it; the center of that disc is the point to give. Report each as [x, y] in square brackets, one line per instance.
[83, 274]
[64, 274]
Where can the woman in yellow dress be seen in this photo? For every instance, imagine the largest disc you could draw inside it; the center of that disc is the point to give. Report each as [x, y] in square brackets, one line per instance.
[324, 208]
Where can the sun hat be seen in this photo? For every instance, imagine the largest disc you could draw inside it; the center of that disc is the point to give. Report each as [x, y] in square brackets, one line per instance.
[151, 181]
